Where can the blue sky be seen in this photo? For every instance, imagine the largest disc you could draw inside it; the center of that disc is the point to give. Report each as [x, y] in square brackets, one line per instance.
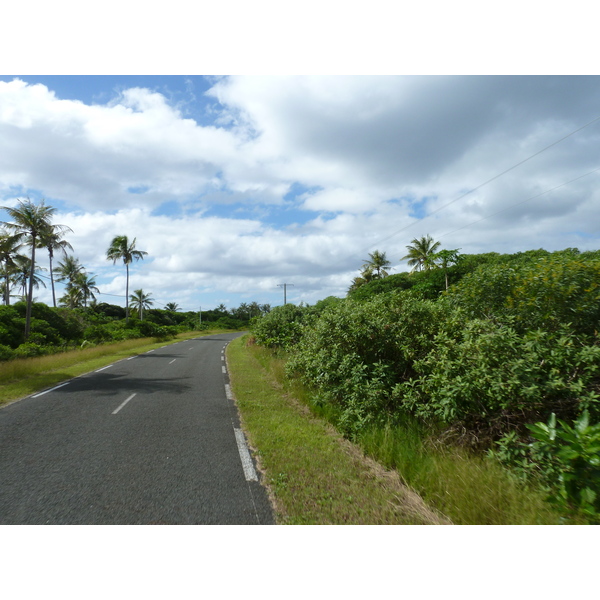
[234, 185]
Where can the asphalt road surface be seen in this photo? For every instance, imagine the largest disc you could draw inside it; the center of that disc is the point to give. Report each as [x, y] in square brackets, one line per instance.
[154, 439]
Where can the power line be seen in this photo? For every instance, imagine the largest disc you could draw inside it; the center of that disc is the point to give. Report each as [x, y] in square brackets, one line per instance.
[484, 183]
[520, 202]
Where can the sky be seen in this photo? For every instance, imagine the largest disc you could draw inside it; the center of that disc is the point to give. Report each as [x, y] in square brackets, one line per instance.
[338, 132]
[235, 185]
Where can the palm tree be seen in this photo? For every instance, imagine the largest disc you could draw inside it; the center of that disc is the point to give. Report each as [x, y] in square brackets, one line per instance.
[366, 275]
[31, 222]
[420, 252]
[52, 240]
[73, 298]
[21, 274]
[9, 252]
[444, 259]
[69, 270]
[378, 262]
[121, 249]
[172, 306]
[86, 285]
[141, 301]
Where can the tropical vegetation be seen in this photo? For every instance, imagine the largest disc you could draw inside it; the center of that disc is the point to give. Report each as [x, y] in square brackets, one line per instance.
[30, 329]
[497, 355]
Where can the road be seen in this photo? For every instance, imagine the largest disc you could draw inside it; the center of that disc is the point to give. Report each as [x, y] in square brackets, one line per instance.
[154, 439]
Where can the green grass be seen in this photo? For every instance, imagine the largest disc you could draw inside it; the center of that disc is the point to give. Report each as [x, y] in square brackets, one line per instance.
[470, 489]
[24, 376]
[297, 447]
[314, 476]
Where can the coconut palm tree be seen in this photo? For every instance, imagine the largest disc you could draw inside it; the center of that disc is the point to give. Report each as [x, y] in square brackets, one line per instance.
[86, 284]
[73, 298]
[172, 306]
[420, 252]
[52, 240]
[366, 275]
[30, 222]
[21, 273]
[377, 263]
[68, 270]
[141, 301]
[121, 249]
[9, 252]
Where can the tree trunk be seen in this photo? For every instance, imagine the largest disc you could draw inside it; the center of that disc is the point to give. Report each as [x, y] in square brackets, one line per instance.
[30, 295]
[127, 295]
[52, 280]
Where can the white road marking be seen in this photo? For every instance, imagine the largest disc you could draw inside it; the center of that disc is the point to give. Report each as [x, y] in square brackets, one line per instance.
[51, 390]
[172, 361]
[222, 358]
[122, 405]
[132, 357]
[224, 369]
[249, 471]
[150, 351]
[228, 392]
[102, 369]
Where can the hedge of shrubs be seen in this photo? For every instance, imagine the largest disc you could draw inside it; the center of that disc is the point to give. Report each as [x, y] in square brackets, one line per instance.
[512, 345]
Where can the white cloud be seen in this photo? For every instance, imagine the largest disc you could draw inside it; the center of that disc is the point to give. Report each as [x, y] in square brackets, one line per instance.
[371, 156]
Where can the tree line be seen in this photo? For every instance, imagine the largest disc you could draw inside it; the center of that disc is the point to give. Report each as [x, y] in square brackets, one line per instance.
[29, 328]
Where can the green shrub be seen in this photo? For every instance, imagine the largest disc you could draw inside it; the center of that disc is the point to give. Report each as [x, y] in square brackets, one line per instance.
[6, 352]
[492, 379]
[29, 349]
[547, 293]
[355, 352]
[280, 328]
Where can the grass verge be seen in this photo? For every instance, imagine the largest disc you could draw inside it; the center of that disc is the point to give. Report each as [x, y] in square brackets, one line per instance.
[313, 475]
[470, 489]
[299, 451]
[21, 377]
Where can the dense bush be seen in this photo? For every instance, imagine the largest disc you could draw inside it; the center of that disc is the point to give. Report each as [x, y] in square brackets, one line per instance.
[547, 293]
[492, 379]
[281, 328]
[356, 352]
[512, 343]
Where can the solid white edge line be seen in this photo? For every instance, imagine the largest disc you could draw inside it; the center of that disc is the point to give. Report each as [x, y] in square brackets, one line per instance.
[51, 389]
[249, 471]
[122, 405]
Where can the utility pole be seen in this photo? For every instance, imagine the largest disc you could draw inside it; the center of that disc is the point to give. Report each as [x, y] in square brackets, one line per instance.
[284, 286]
[200, 318]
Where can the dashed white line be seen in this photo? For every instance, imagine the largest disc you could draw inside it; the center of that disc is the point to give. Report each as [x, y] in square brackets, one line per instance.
[102, 369]
[50, 390]
[249, 471]
[172, 361]
[122, 405]
[228, 392]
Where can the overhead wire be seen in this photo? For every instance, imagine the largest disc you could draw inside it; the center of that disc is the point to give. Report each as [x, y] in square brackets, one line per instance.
[520, 202]
[437, 210]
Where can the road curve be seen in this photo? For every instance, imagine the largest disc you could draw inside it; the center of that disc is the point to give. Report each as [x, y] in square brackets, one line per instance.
[154, 439]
